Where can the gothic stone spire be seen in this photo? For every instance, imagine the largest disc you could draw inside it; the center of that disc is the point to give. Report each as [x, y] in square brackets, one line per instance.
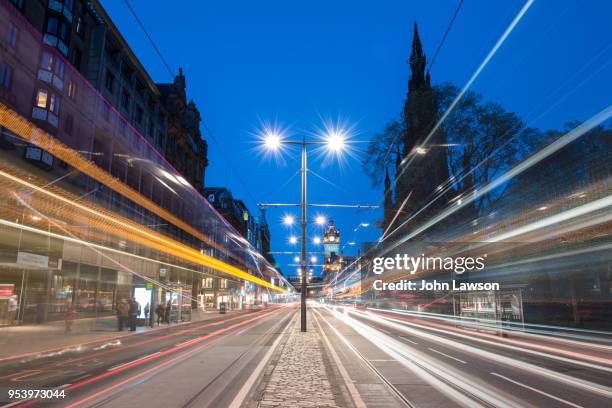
[418, 62]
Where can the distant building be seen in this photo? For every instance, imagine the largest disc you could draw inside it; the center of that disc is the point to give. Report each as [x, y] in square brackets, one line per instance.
[238, 215]
[185, 150]
[331, 251]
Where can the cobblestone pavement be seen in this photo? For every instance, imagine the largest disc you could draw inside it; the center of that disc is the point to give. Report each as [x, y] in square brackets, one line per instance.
[300, 378]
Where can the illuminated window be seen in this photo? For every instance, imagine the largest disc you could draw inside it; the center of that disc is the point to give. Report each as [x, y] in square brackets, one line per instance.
[54, 103]
[223, 284]
[41, 98]
[47, 61]
[72, 88]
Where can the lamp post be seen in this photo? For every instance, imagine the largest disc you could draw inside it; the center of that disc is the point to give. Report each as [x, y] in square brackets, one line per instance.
[335, 142]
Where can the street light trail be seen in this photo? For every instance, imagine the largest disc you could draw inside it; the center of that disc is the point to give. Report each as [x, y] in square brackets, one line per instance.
[558, 144]
[565, 379]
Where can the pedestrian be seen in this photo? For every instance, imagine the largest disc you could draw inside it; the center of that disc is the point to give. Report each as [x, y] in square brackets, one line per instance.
[122, 313]
[69, 319]
[159, 311]
[147, 311]
[132, 313]
[168, 310]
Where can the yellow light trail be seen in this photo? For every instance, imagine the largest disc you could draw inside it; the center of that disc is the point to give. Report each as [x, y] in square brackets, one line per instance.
[33, 134]
[27, 130]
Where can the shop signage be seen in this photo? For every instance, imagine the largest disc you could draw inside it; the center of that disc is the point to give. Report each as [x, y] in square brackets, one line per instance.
[7, 289]
[38, 261]
[35, 260]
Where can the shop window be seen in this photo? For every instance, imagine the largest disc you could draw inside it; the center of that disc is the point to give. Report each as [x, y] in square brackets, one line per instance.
[87, 285]
[106, 291]
[62, 290]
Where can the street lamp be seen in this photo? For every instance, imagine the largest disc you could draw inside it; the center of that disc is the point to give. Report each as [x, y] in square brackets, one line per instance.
[316, 240]
[293, 240]
[272, 141]
[320, 220]
[335, 141]
[288, 220]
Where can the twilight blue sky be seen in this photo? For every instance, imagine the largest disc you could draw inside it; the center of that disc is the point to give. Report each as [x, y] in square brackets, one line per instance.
[298, 62]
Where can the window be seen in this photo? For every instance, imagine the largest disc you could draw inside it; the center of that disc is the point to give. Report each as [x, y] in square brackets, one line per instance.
[47, 61]
[57, 34]
[72, 89]
[6, 75]
[223, 284]
[138, 115]
[110, 80]
[75, 58]
[68, 123]
[105, 111]
[11, 35]
[207, 283]
[41, 98]
[125, 99]
[18, 4]
[53, 26]
[62, 6]
[59, 68]
[54, 103]
[80, 27]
